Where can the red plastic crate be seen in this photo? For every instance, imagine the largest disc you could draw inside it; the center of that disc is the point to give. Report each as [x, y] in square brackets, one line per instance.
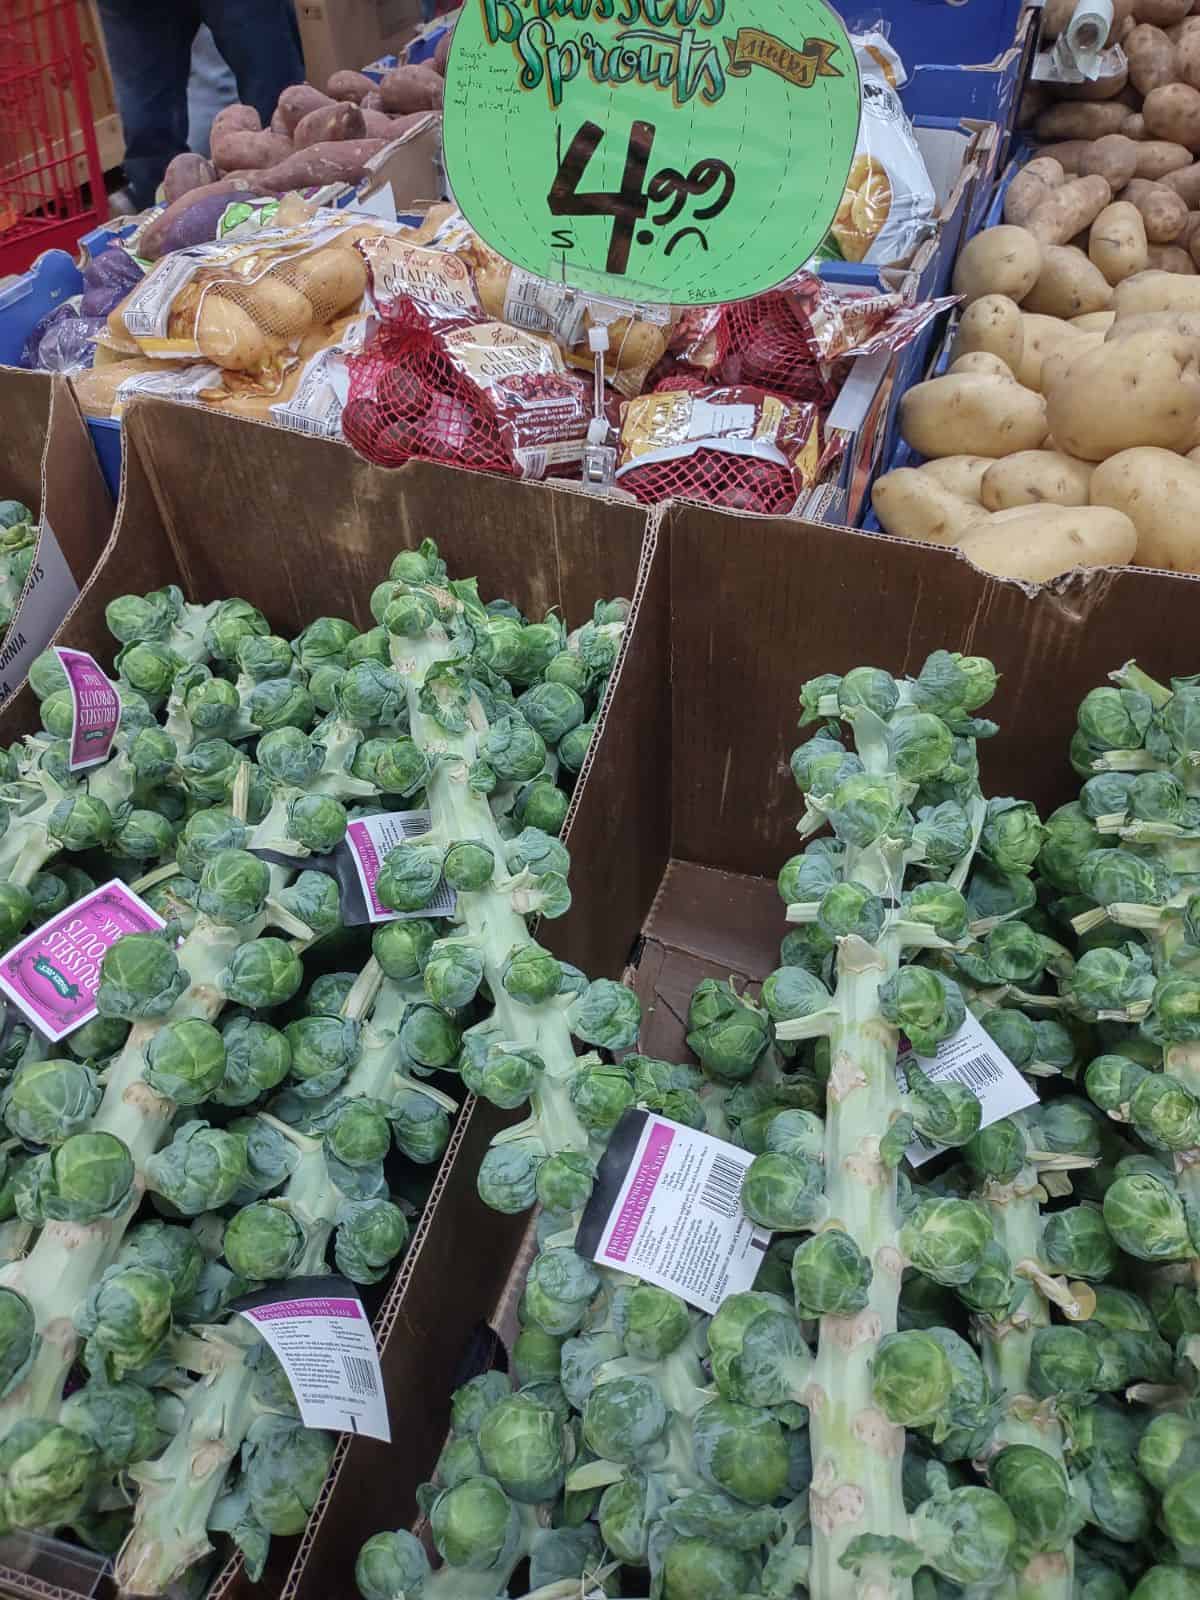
[46, 133]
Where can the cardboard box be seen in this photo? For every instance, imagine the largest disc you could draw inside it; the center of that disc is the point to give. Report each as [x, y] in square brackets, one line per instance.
[201, 506]
[347, 33]
[990, 91]
[47, 461]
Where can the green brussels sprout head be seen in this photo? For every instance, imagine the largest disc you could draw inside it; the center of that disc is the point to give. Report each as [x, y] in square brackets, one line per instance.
[262, 1242]
[186, 1061]
[139, 977]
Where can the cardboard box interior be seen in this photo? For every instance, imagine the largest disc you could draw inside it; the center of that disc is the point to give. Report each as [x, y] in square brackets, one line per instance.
[47, 461]
[233, 526]
[349, 33]
[691, 799]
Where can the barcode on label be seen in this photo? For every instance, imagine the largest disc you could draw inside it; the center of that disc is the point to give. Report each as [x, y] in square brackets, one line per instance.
[978, 1072]
[359, 1375]
[316, 427]
[723, 1186]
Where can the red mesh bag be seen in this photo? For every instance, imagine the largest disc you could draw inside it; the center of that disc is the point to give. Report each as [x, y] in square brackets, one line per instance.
[736, 447]
[447, 386]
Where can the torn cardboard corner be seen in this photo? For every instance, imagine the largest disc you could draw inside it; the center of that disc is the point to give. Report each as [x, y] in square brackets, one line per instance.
[47, 462]
[337, 34]
[411, 167]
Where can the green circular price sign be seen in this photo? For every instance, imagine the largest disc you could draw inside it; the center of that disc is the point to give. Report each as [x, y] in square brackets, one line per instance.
[676, 151]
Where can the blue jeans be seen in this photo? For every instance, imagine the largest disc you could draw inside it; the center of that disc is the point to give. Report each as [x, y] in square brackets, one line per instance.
[210, 87]
[150, 49]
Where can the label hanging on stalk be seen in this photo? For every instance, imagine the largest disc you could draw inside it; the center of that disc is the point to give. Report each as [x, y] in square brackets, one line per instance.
[53, 974]
[666, 1208]
[972, 1057]
[319, 1331]
[96, 708]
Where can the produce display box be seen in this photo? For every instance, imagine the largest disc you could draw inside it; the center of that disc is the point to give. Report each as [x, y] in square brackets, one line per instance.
[194, 484]
[990, 90]
[345, 33]
[410, 171]
[47, 462]
[957, 155]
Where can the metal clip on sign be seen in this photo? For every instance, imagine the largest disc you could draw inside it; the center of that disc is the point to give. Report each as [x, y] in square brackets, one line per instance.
[599, 455]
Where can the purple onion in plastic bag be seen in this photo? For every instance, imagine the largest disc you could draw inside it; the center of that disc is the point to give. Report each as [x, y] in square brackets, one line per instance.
[107, 279]
[70, 345]
[68, 310]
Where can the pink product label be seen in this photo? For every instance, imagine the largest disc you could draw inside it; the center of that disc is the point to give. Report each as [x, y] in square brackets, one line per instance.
[307, 1308]
[637, 1198]
[53, 975]
[97, 708]
[359, 838]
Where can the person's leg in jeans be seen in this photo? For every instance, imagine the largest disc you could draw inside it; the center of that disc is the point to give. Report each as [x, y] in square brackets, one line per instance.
[261, 42]
[150, 52]
[210, 88]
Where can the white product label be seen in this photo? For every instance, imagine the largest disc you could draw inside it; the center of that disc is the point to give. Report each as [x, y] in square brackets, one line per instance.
[970, 1056]
[185, 383]
[369, 839]
[675, 1217]
[543, 307]
[326, 1347]
[320, 397]
[50, 592]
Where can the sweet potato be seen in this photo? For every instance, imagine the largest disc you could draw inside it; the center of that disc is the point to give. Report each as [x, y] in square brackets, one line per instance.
[185, 173]
[380, 126]
[349, 86]
[442, 54]
[411, 89]
[193, 217]
[238, 141]
[340, 161]
[341, 120]
[296, 103]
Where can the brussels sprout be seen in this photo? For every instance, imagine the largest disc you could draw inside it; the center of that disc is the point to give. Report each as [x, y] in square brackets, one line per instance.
[937, 906]
[967, 1534]
[148, 667]
[505, 1075]
[741, 1450]
[317, 821]
[139, 977]
[552, 710]
[946, 1239]
[271, 1158]
[47, 675]
[601, 1095]
[324, 1049]
[757, 1351]
[257, 1058]
[16, 908]
[233, 886]
[1063, 1360]
[19, 1339]
[125, 1318]
[410, 876]
[784, 1191]
[473, 1524]
[921, 745]
[1165, 1113]
[1115, 719]
[926, 1005]
[428, 1037]
[315, 899]
[323, 643]
[213, 705]
[564, 1182]
[50, 894]
[1177, 1007]
[370, 695]
[46, 1474]
[912, 1378]
[469, 864]
[568, 669]
[1110, 981]
[623, 1418]
[1077, 1241]
[186, 1061]
[359, 1134]
[370, 1235]
[514, 750]
[263, 1242]
[1146, 1218]
[118, 1419]
[453, 972]
[47, 1101]
[260, 974]
[88, 1176]
[997, 1152]
[284, 1468]
[1035, 1488]
[80, 822]
[261, 656]
[402, 948]
[205, 833]
[531, 975]
[507, 1178]
[1112, 876]
[390, 1564]
[559, 1289]
[200, 1170]
[607, 1014]
[542, 805]
[409, 615]
[830, 1275]
[167, 1248]
[652, 1321]
[727, 1033]
[520, 1443]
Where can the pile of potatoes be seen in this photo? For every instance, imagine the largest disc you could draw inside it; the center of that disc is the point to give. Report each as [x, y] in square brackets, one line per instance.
[1066, 431]
[1139, 132]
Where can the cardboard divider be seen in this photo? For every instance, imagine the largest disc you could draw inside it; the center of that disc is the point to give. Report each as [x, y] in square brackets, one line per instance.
[301, 528]
[47, 462]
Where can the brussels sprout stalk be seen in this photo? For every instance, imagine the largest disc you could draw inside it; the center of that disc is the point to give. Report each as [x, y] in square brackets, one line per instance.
[68, 1256]
[180, 1487]
[488, 914]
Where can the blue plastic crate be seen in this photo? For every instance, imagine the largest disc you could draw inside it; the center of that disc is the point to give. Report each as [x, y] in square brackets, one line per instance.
[950, 32]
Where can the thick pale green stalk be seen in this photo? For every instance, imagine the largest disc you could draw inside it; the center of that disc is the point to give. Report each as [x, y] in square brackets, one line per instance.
[458, 812]
[69, 1257]
[180, 1487]
[857, 1453]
